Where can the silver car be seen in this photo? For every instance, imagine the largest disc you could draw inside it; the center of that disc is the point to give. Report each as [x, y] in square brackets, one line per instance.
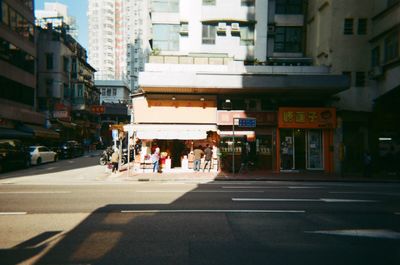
[41, 154]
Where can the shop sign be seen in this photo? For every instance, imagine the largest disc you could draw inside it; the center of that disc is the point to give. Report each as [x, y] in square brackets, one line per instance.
[263, 118]
[307, 118]
[247, 122]
[98, 109]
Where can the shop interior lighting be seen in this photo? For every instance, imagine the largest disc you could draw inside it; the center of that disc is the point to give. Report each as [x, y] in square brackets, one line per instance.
[173, 98]
[385, 139]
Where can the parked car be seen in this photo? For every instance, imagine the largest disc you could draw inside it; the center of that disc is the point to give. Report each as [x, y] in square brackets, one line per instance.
[42, 154]
[13, 154]
[71, 149]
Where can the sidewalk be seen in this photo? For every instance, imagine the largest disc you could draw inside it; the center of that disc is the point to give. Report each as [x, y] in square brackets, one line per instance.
[250, 176]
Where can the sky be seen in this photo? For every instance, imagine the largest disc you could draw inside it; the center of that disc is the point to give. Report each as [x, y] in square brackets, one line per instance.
[76, 8]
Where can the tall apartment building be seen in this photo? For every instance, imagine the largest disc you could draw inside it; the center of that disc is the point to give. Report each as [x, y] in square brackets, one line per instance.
[17, 67]
[119, 34]
[103, 29]
[57, 14]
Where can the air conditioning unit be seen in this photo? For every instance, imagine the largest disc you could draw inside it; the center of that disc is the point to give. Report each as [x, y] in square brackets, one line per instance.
[184, 29]
[376, 72]
[235, 27]
[221, 27]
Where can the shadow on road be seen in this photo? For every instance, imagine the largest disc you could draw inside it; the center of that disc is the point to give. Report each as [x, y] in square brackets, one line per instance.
[178, 233]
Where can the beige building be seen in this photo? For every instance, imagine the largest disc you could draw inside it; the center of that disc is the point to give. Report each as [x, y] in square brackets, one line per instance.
[361, 39]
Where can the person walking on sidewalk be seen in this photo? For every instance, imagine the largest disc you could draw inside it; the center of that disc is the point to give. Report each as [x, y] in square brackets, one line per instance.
[114, 161]
[198, 153]
[207, 157]
[155, 158]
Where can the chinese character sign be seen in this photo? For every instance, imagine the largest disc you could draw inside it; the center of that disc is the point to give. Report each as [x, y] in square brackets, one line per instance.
[307, 118]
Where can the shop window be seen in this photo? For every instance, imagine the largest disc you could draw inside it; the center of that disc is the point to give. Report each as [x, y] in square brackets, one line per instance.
[348, 26]
[362, 26]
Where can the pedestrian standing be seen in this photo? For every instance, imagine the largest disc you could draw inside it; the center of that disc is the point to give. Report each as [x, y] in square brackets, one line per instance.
[155, 158]
[114, 161]
[207, 158]
[198, 154]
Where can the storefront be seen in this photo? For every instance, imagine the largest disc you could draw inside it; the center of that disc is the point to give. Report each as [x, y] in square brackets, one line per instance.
[176, 143]
[305, 137]
[260, 139]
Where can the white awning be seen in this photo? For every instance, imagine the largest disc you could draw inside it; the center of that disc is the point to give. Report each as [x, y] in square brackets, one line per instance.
[170, 131]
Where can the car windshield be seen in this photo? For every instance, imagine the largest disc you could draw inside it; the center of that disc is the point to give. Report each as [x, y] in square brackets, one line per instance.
[31, 149]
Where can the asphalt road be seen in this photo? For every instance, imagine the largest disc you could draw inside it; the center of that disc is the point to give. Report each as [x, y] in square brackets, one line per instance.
[200, 223]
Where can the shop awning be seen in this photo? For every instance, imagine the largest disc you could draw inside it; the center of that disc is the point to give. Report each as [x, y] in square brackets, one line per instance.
[170, 131]
[11, 133]
[40, 132]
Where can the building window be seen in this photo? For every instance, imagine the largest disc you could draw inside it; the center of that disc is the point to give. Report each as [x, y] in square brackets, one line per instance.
[109, 92]
[80, 91]
[247, 2]
[246, 35]
[49, 61]
[209, 2]
[288, 39]
[375, 56]
[362, 26]
[208, 34]
[65, 64]
[289, 7]
[348, 74]
[114, 92]
[103, 91]
[392, 46]
[166, 37]
[5, 14]
[168, 6]
[16, 56]
[360, 79]
[348, 26]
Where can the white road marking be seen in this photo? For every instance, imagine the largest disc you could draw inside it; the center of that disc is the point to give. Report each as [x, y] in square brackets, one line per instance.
[298, 200]
[305, 187]
[35, 192]
[197, 191]
[213, 211]
[374, 233]
[364, 192]
[13, 213]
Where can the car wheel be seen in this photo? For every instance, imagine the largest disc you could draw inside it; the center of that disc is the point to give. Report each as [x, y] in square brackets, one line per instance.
[39, 161]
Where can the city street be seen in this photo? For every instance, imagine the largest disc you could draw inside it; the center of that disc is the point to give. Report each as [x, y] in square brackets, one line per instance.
[97, 221]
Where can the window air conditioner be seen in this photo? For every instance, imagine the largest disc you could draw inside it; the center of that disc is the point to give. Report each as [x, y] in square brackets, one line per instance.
[221, 27]
[235, 27]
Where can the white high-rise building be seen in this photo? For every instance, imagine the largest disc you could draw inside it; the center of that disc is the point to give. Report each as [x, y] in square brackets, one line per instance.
[116, 42]
[56, 14]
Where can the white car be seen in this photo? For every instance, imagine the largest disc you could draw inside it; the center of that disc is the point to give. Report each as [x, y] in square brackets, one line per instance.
[41, 154]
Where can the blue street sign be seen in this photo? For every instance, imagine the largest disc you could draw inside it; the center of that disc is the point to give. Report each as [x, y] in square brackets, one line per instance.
[247, 122]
